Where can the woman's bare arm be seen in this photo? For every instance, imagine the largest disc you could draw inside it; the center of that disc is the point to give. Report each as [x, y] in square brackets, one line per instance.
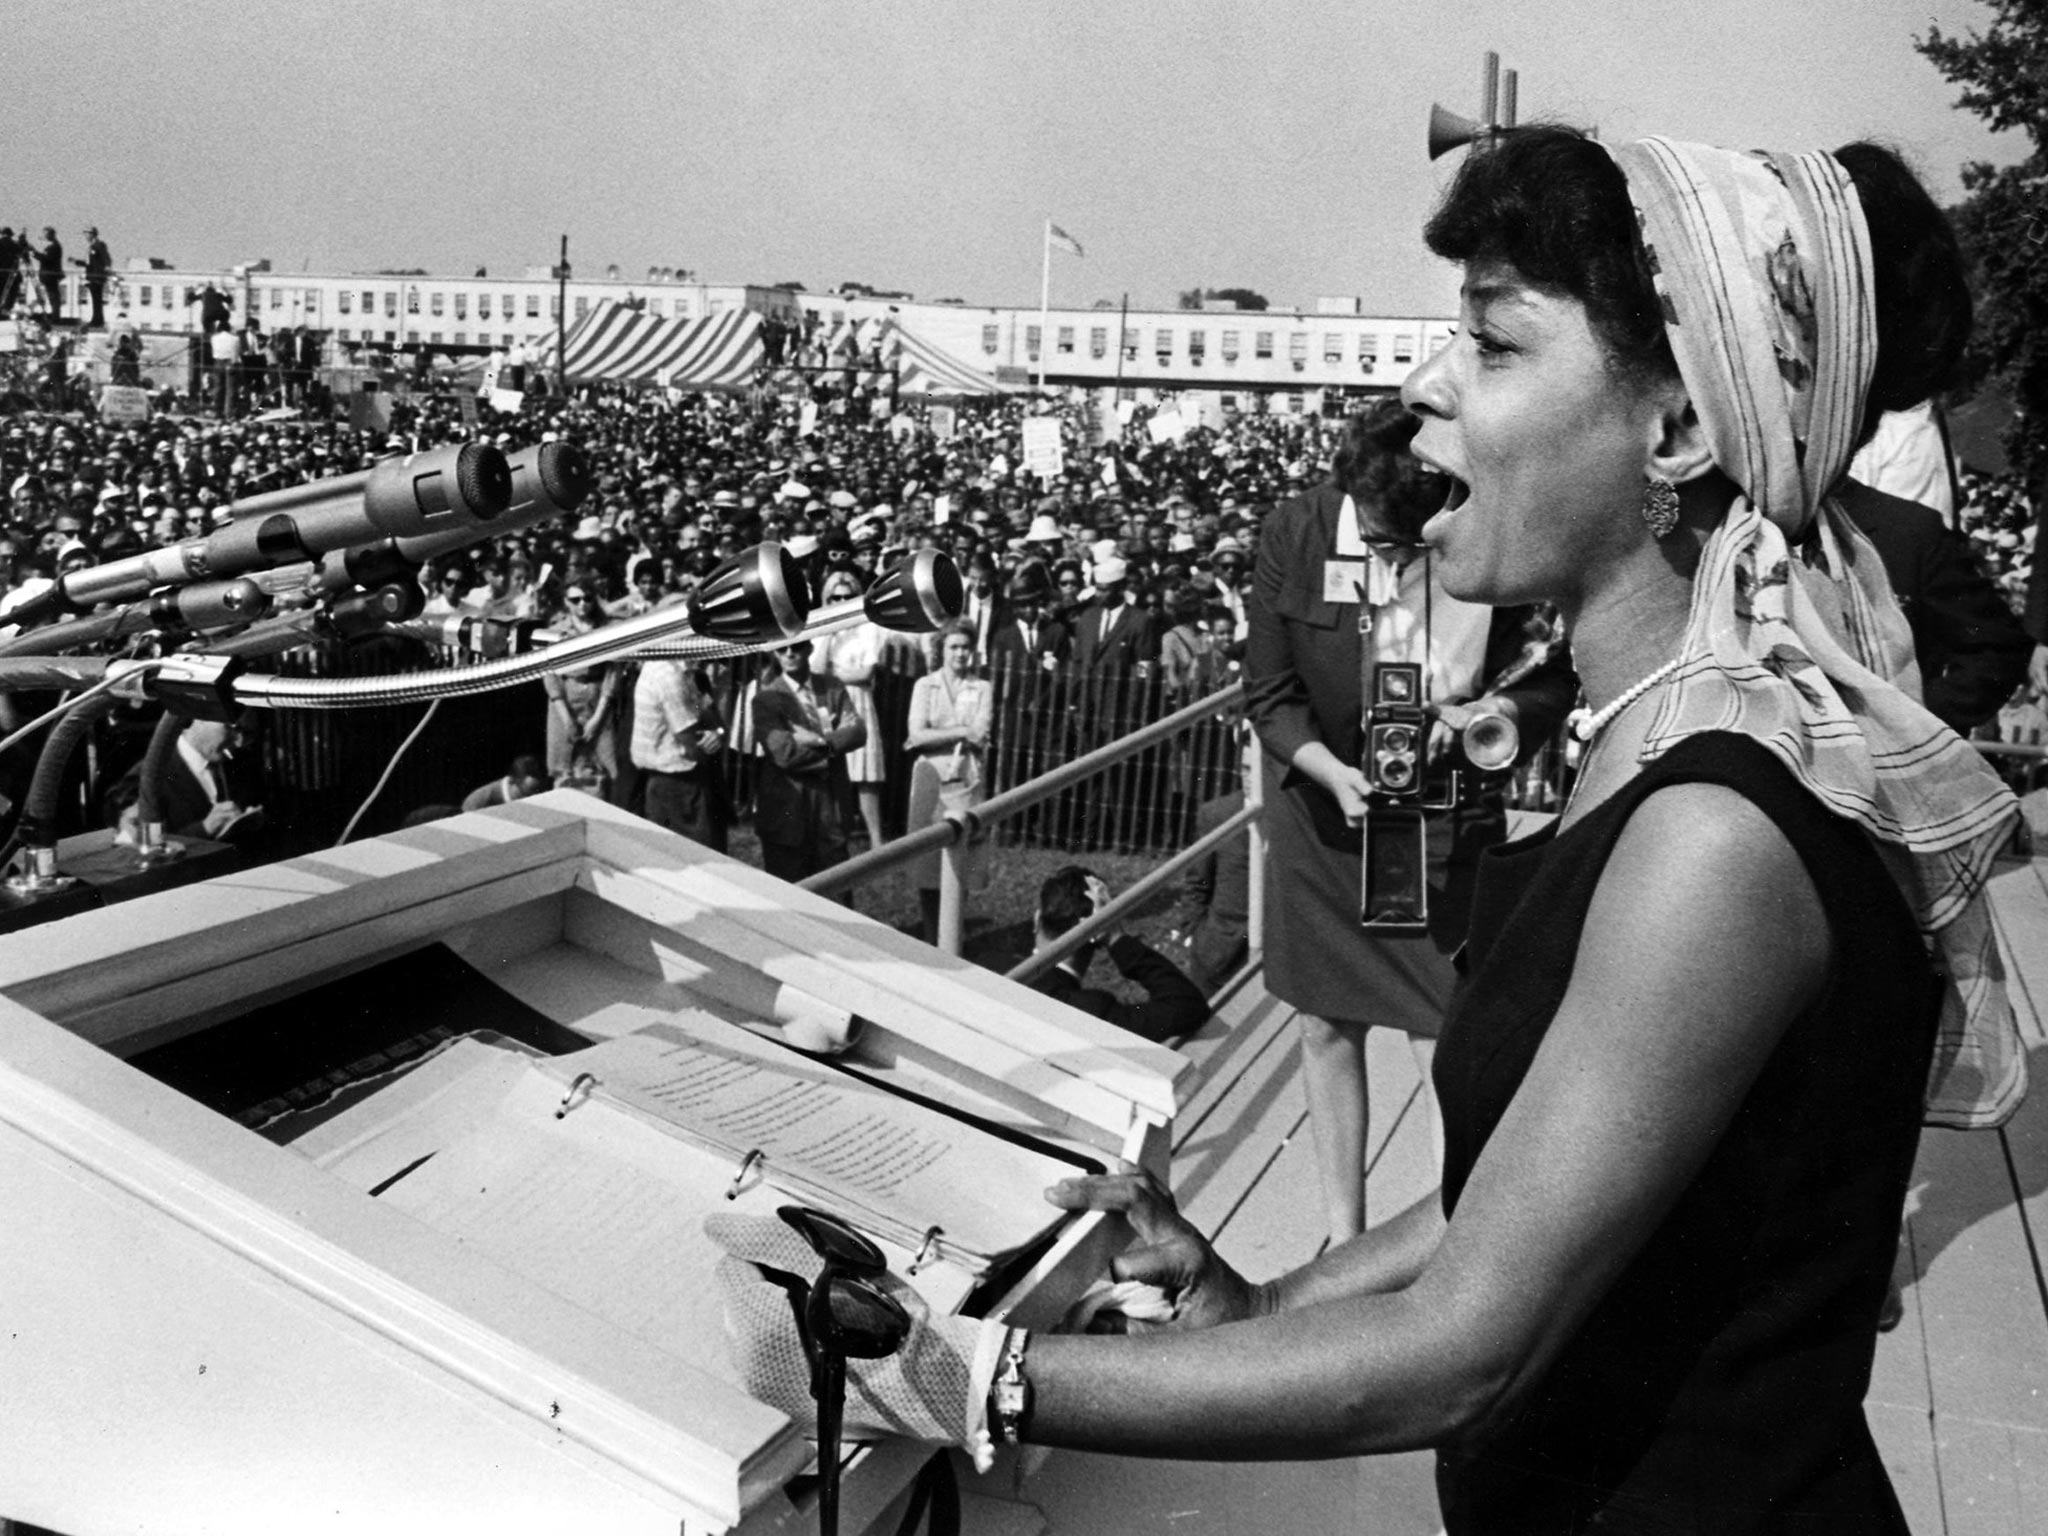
[1652, 1051]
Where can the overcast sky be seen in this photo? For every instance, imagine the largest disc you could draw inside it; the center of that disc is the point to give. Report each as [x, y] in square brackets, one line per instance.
[918, 145]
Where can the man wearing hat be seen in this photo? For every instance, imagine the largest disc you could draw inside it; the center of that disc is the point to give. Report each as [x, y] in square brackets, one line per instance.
[1115, 645]
[98, 263]
[1026, 651]
[1228, 560]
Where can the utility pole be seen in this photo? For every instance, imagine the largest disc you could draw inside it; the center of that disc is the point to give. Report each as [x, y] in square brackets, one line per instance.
[562, 322]
[1123, 321]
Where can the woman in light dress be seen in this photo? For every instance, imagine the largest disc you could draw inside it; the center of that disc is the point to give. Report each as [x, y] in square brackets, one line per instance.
[851, 655]
[951, 713]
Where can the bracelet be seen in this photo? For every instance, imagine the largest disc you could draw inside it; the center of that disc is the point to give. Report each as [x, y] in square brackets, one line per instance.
[1009, 1395]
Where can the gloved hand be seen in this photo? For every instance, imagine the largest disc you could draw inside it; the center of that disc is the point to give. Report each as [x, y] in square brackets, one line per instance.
[933, 1390]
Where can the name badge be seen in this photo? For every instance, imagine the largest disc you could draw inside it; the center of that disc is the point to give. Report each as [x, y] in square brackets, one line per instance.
[1343, 580]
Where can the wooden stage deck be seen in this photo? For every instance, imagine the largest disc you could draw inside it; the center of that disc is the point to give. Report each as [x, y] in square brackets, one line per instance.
[1959, 1400]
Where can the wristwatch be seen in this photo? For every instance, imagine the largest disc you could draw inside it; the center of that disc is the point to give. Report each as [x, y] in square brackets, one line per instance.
[1009, 1395]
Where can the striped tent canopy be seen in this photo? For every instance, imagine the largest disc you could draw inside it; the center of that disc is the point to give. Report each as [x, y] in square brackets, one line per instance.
[879, 346]
[618, 345]
[925, 370]
[860, 342]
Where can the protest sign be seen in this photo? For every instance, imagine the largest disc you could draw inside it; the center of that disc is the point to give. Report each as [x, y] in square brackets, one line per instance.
[124, 403]
[1043, 455]
[1167, 425]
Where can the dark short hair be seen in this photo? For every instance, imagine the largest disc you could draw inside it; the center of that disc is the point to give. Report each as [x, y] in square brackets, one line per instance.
[1063, 900]
[1551, 203]
[1373, 466]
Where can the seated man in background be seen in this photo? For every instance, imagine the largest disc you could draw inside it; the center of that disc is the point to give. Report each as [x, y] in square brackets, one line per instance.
[527, 776]
[1173, 1006]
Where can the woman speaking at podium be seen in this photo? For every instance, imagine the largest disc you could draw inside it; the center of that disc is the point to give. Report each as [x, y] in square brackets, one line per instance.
[1698, 1031]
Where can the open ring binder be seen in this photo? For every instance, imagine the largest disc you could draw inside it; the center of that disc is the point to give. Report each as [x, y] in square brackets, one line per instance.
[927, 1250]
[739, 1178]
[583, 1083]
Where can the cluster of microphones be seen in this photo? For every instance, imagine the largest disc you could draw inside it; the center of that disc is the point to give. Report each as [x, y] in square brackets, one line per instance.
[341, 557]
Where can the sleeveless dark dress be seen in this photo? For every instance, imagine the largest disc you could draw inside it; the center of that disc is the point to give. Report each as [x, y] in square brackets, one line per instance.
[1718, 1387]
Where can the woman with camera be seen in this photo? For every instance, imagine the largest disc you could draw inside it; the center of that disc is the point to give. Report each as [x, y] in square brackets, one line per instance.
[1684, 1074]
[1346, 593]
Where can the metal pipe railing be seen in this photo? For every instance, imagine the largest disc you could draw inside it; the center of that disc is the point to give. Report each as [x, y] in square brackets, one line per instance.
[958, 826]
[950, 836]
[1133, 897]
[2021, 749]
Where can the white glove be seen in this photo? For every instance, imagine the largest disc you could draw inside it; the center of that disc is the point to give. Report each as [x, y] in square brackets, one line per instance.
[933, 1390]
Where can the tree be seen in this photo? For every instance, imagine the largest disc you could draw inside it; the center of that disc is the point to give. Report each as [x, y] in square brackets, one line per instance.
[2002, 221]
[1244, 298]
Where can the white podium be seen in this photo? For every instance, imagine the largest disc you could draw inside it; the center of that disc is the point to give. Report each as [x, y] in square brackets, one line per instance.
[204, 1330]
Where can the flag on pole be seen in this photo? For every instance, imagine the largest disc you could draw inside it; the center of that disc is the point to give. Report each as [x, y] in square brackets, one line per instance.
[1064, 241]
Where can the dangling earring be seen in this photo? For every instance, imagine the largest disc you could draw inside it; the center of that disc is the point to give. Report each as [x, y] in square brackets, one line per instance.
[1660, 508]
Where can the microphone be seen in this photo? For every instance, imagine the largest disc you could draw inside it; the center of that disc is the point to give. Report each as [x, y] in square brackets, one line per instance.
[547, 481]
[457, 487]
[917, 595]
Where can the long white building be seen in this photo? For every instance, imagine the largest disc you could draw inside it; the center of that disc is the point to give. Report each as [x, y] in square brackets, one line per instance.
[1278, 360]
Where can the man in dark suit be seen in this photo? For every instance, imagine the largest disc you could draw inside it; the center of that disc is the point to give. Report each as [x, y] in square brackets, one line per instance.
[98, 263]
[1113, 640]
[1972, 652]
[1026, 652]
[1023, 638]
[50, 272]
[1115, 648]
[1173, 1006]
[805, 724]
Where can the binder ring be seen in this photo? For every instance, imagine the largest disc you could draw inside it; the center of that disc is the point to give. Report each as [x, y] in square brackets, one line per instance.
[747, 1164]
[582, 1082]
[927, 1250]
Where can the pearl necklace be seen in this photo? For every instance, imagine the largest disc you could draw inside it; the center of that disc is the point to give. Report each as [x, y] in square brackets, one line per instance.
[1586, 723]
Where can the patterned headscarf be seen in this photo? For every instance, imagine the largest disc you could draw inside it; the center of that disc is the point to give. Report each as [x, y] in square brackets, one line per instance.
[1762, 263]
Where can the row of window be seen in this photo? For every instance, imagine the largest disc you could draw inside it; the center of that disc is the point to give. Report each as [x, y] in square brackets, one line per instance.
[433, 338]
[1164, 342]
[171, 296]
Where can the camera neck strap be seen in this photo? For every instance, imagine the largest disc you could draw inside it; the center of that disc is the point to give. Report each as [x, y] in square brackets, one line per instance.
[1379, 568]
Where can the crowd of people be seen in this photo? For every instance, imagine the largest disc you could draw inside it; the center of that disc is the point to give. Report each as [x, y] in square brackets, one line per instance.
[1098, 596]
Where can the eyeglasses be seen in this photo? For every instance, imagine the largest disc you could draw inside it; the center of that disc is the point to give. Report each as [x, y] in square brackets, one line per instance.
[842, 1315]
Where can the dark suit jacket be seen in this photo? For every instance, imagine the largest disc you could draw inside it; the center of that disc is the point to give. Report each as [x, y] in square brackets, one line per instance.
[1133, 637]
[799, 786]
[1972, 651]
[1173, 1006]
[1006, 644]
[1301, 671]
